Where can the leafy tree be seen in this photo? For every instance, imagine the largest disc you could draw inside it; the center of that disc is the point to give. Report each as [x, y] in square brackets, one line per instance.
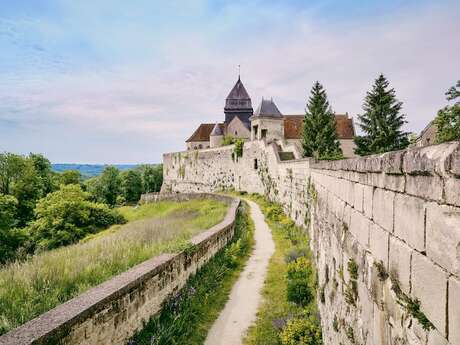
[11, 166]
[381, 121]
[228, 140]
[132, 185]
[110, 185]
[70, 177]
[10, 238]
[65, 216]
[448, 119]
[319, 138]
[152, 178]
[43, 169]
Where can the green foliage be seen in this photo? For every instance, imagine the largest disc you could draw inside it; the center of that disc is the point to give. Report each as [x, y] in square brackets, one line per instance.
[448, 119]
[152, 178]
[412, 305]
[70, 177]
[10, 237]
[65, 216]
[319, 138]
[238, 150]
[291, 245]
[110, 185]
[132, 185]
[335, 324]
[350, 334]
[381, 271]
[353, 269]
[299, 276]
[381, 121]
[188, 315]
[50, 278]
[302, 331]
[228, 140]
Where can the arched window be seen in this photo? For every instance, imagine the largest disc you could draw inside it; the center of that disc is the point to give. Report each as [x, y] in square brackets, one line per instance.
[200, 146]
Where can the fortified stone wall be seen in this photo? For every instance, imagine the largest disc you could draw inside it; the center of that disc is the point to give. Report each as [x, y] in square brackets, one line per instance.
[112, 312]
[385, 230]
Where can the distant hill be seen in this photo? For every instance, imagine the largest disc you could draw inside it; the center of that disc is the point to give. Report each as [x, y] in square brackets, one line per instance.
[89, 170]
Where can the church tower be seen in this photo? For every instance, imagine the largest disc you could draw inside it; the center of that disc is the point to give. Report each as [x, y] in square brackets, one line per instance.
[238, 103]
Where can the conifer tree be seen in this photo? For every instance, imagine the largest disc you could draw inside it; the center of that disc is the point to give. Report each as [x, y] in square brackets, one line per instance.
[381, 121]
[319, 137]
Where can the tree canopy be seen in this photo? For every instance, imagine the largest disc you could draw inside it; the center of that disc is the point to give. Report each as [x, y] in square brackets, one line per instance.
[319, 138]
[381, 121]
[448, 119]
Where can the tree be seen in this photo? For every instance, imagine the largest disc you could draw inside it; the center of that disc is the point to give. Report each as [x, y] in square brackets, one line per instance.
[65, 216]
[448, 119]
[319, 137]
[43, 169]
[110, 185]
[11, 166]
[10, 237]
[132, 185]
[70, 177]
[152, 178]
[381, 121]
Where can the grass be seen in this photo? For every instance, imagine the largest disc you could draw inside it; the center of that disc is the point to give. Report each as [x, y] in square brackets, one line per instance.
[188, 316]
[48, 279]
[276, 311]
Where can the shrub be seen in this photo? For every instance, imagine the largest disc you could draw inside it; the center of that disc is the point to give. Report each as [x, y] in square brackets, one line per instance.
[295, 253]
[274, 213]
[301, 331]
[65, 216]
[299, 274]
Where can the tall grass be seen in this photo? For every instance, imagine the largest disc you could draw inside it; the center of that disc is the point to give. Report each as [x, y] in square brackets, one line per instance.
[187, 317]
[48, 279]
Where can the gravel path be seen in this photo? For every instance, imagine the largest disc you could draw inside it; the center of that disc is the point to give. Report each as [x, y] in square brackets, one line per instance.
[245, 297]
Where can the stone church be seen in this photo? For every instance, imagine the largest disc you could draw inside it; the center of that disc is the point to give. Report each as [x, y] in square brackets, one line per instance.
[266, 123]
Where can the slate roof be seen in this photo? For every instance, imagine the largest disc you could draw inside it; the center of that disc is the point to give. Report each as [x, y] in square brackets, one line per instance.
[238, 91]
[293, 126]
[268, 108]
[217, 130]
[203, 132]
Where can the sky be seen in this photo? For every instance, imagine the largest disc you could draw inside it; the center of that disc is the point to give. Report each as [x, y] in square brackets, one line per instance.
[125, 81]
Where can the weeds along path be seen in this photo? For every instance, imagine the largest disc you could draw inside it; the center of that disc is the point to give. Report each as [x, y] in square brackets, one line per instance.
[240, 311]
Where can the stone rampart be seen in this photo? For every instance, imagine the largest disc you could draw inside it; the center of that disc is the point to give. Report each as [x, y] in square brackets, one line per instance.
[112, 312]
[395, 217]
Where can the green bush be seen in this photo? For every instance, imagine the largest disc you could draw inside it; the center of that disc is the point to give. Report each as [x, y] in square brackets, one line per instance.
[302, 331]
[299, 274]
[65, 216]
[274, 212]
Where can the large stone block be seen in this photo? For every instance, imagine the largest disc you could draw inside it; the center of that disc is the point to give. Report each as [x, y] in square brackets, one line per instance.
[392, 162]
[378, 243]
[400, 262]
[359, 227]
[443, 236]
[454, 310]
[368, 195]
[452, 190]
[429, 285]
[410, 220]
[358, 197]
[427, 187]
[455, 162]
[387, 181]
[432, 160]
[383, 208]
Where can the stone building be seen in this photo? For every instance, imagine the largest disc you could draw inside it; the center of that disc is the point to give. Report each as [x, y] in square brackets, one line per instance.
[266, 123]
[427, 136]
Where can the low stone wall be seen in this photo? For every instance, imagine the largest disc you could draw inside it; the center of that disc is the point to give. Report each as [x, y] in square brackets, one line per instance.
[396, 216]
[113, 311]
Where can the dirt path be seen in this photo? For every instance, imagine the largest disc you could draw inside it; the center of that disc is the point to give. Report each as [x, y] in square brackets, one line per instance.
[245, 297]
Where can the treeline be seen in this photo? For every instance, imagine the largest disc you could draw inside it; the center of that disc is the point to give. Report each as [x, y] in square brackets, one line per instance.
[41, 209]
[381, 122]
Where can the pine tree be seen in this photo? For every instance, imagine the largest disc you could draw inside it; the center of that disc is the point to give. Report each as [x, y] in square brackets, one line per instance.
[319, 138]
[381, 121]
